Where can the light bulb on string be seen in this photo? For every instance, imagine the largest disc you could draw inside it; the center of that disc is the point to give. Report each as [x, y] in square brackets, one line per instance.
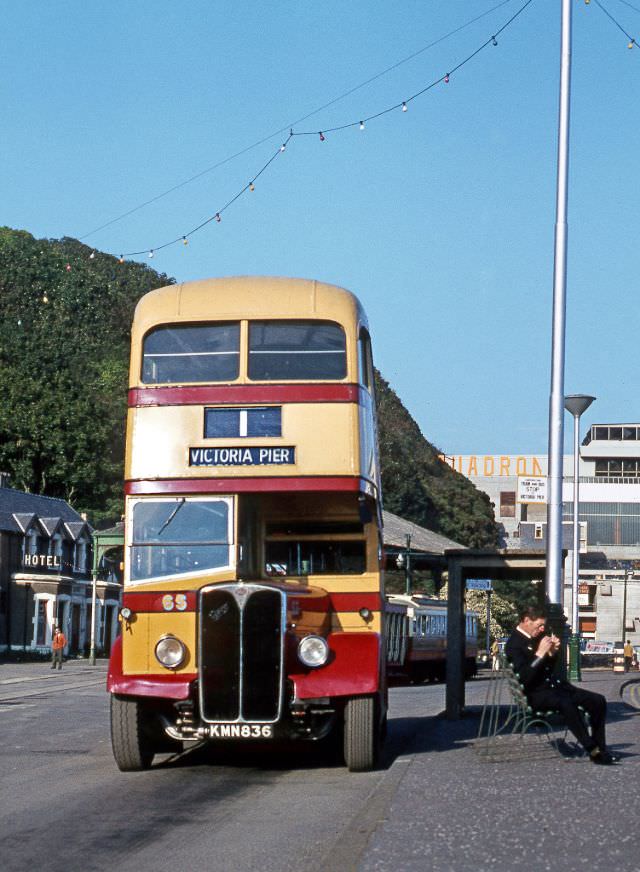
[322, 136]
[45, 299]
[217, 217]
[121, 258]
[68, 267]
[404, 107]
[494, 40]
[92, 256]
[362, 125]
[185, 241]
[283, 146]
[632, 42]
[446, 79]
[252, 187]
[151, 253]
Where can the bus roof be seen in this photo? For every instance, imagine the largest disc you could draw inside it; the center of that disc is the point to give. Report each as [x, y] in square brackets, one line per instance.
[246, 297]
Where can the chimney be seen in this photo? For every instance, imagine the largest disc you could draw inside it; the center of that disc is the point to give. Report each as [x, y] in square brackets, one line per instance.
[4, 479]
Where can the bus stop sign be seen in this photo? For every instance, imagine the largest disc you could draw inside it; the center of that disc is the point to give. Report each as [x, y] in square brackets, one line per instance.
[478, 584]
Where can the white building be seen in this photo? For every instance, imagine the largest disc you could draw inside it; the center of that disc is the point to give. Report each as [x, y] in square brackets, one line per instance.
[609, 470]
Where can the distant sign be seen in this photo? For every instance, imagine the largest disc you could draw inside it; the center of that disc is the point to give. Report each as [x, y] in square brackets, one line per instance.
[532, 490]
[593, 647]
[478, 584]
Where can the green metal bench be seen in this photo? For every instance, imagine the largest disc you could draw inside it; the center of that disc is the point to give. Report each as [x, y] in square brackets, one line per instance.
[509, 727]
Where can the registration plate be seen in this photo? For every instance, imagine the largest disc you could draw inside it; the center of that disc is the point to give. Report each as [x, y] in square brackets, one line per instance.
[240, 731]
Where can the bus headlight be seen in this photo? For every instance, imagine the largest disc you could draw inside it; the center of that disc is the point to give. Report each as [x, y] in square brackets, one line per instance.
[313, 651]
[170, 652]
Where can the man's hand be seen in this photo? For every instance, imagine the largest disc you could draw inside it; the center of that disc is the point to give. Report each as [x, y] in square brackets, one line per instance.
[548, 645]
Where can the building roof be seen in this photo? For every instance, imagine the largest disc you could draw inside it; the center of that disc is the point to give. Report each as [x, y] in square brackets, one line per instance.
[24, 506]
[396, 529]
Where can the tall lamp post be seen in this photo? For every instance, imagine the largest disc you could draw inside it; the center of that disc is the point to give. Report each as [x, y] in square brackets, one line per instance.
[576, 405]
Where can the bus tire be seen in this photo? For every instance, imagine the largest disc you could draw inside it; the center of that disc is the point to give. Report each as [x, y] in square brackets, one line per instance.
[361, 734]
[132, 749]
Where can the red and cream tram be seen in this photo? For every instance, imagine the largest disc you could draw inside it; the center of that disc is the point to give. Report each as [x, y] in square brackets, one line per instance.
[416, 631]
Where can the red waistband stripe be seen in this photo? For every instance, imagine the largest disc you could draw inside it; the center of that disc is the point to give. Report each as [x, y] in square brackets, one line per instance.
[199, 395]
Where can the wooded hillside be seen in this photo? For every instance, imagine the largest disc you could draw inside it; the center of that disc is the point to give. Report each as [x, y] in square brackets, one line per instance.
[64, 346]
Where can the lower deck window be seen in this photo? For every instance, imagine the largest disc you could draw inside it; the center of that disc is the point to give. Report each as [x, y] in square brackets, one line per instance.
[315, 558]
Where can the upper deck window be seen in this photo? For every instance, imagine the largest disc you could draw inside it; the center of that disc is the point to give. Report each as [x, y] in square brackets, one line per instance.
[286, 350]
[206, 353]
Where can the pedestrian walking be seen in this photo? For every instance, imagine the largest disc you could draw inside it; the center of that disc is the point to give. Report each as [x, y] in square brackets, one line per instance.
[57, 647]
[628, 655]
[495, 658]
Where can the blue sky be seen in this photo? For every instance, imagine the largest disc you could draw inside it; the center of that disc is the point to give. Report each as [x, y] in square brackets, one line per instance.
[440, 218]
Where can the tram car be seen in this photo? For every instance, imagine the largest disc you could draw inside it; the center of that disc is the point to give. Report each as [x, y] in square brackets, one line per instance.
[416, 631]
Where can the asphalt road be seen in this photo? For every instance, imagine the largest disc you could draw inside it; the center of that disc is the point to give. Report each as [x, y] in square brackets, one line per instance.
[431, 805]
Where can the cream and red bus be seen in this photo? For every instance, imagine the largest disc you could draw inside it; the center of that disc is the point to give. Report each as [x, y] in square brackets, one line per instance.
[252, 591]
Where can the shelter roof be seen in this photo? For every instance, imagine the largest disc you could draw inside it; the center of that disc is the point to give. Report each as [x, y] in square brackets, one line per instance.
[396, 529]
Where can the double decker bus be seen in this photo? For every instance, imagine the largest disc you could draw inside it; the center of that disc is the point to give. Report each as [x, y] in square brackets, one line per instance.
[252, 607]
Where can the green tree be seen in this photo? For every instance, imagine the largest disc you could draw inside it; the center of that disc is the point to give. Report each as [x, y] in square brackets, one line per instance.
[64, 335]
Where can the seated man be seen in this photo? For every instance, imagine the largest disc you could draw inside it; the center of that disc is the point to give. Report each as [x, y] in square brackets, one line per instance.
[532, 655]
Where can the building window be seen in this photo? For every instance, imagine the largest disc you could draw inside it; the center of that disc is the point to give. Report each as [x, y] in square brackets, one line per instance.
[507, 504]
[617, 467]
[41, 622]
[81, 556]
[538, 532]
[32, 542]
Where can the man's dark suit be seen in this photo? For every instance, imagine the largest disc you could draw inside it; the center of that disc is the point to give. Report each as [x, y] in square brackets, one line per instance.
[546, 691]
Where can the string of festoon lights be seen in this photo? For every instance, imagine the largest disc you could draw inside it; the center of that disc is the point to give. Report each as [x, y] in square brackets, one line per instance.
[632, 41]
[360, 123]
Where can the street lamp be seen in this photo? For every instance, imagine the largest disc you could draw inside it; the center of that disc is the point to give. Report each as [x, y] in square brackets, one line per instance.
[404, 560]
[576, 405]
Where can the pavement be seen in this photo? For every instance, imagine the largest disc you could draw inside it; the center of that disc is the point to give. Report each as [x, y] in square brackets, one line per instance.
[33, 678]
[453, 811]
[433, 805]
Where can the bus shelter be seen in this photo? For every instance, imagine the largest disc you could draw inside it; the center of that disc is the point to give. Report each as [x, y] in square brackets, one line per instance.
[463, 564]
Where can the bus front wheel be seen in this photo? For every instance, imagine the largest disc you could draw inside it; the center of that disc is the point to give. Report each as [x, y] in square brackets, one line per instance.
[131, 744]
[361, 734]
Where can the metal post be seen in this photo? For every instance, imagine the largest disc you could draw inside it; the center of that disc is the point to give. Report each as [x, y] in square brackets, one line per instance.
[407, 566]
[556, 399]
[624, 606]
[92, 651]
[574, 649]
[455, 692]
[576, 404]
[488, 633]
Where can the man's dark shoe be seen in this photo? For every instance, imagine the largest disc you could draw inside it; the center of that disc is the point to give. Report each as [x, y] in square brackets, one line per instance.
[603, 758]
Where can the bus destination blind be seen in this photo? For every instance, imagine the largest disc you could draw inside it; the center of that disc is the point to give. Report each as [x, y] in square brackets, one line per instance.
[280, 455]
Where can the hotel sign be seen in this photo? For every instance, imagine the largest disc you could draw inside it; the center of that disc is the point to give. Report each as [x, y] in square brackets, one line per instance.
[41, 561]
[532, 490]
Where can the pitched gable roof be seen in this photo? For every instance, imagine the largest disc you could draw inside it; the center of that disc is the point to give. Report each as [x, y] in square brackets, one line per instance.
[16, 504]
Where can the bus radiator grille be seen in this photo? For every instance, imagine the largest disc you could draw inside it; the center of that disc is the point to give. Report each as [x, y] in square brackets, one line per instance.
[241, 653]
